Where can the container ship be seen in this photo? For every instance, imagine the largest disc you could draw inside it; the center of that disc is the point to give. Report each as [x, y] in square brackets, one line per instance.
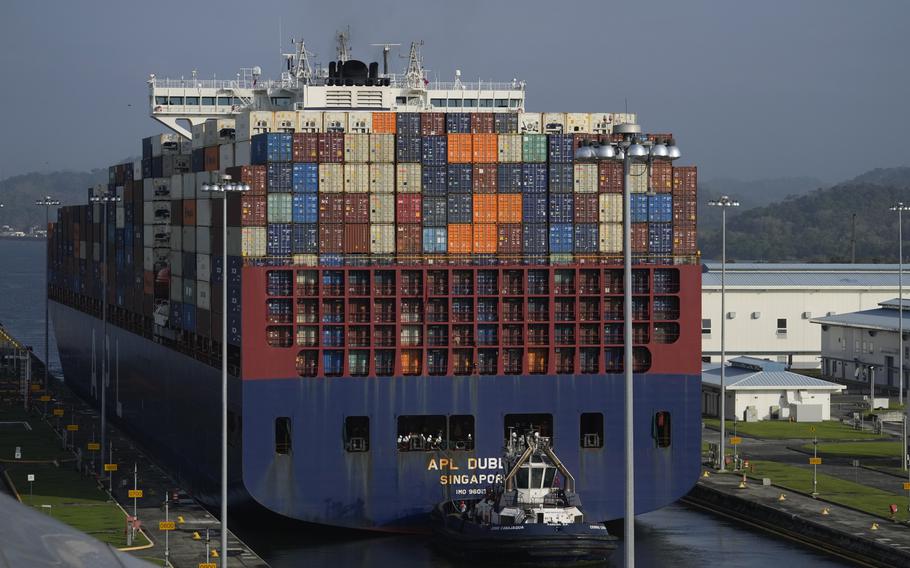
[418, 271]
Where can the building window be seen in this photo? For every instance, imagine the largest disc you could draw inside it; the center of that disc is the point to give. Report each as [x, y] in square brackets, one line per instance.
[781, 326]
[661, 429]
[706, 326]
[461, 432]
[283, 435]
[592, 430]
[357, 433]
[421, 433]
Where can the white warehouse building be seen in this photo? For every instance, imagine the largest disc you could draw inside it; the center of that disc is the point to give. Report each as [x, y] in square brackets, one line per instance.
[770, 307]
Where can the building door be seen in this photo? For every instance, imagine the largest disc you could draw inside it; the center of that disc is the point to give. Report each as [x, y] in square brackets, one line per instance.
[889, 364]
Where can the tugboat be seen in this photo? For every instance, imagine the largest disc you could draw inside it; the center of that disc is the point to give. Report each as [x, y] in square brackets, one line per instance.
[528, 518]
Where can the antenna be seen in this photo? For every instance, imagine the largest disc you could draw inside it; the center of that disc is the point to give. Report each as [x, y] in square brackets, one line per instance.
[386, 48]
[344, 44]
[299, 62]
[415, 76]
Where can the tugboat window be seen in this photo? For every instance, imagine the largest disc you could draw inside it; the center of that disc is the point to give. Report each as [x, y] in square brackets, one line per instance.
[662, 429]
[357, 433]
[592, 430]
[282, 435]
[517, 424]
[421, 433]
[461, 432]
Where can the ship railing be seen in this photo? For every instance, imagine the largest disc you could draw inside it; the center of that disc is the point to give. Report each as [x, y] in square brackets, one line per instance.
[594, 260]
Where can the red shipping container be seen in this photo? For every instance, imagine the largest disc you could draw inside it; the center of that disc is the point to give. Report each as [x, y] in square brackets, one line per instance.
[609, 177]
[305, 147]
[148, 282]
[685, 180]
[176, 213]
[356, 208]
[331, 237]
[331, 208]
[483, 178]
[356, 238]
[331, 147]
[685, 209]
[253, 210]
[661, 177]
[253, 176]
[640, 237]
[482, 123]
[189, 212]
[587, 208]
[409, 238]
[509, 239]
[211, 158]
[408, 208]
[432, 123]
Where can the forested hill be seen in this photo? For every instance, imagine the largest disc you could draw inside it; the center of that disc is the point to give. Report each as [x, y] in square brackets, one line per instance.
[18, 195]
[817, 227]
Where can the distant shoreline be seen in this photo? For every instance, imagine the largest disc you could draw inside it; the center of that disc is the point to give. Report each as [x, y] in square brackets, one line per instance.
[11, 238]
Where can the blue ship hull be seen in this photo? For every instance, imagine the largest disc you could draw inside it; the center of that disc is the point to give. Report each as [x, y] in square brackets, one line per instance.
[171, 403]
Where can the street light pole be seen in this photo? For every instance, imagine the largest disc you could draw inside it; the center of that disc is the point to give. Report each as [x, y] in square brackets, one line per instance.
[224, 189]
[724, 203]
[47, 202]
[900, 208]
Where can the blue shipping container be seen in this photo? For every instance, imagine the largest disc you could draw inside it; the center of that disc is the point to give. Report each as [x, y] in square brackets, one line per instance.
[305, 208]
[458, 122]
[534, 238]
[408, 123]
[306, 238]
[660, 208]
[305, 178]
[332, 362]
[189, 265]
[435, 211]
[534, 178]
[175, 318]
[189, 317]
[534, 208]
[639, 205]
[434, 150]
[234, 329]
[660, 238]
[271, 147]
[435, 239]
[408, 148]
[561, 237]
[459, 178]
[562, 178]
[561, 148]
[433, 180]
[460, 208]
[562, 208]
[278, 239]
[280, 177]
[586, 237]
[508, 178]
[333, 336]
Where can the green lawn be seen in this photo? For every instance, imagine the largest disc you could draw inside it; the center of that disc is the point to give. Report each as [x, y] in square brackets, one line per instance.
[833, 489]
[782, 430]
[39, 443]
[870, 449]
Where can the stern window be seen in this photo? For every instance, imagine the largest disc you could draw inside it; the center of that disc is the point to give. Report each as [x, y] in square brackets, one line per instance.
[283, 435]
[421, 433]
[662, 429]
[461, 432]
[592, 430]
[357, 433]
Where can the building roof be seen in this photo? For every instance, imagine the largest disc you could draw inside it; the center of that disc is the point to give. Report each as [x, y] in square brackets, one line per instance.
[885, 318]
[736, 378]
[801, 275]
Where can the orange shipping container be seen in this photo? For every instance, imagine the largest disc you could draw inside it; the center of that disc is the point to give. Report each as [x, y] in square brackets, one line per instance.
[508, 207]
[461, 238]
[384, 122]
[459, 149]
[485, 148]
[211, 158]
[485, 207]
[485, 238]
[148, 282]
[189, 212]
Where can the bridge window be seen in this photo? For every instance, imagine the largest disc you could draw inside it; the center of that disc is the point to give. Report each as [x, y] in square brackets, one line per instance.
[175, 101]
[486, 103]
[592, 430]
[661, 429]
[461, 432]
[208, 101]
[513, 103]
[421, 433]
[502, 103]
[470, 103]
[357, 433]
[438, 102]
[160, 100]
[401, 100]
[283, 435]
[192, 100]
[454, 102]
[224, 101]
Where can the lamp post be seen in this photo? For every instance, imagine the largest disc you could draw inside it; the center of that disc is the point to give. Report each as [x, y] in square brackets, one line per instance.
[47, 202]
[900, 208]
[724, 203]
[630, 150]
[104, 199]
[224, 189]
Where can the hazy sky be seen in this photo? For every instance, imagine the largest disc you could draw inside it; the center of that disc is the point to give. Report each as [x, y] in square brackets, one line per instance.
[750, 89]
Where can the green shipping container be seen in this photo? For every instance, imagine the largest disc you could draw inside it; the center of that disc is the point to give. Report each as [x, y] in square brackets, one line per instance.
[534, 148]
[280, 208]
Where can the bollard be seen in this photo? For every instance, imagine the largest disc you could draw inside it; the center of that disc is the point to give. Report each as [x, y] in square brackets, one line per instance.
[782, 497]
[874, 527]
[705, 474]
[826, 511]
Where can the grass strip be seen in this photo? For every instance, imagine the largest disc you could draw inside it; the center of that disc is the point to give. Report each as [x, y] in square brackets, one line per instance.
[783, 430]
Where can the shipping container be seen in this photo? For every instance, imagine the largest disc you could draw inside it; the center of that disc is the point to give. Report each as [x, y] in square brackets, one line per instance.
[534, 148]
[461, 238]
[561, 208]
[309, 121]
[587, 238]
[529, 123]
[285, 121]
[331, 208]
[609, 176]
[561, 148]
[382, 148]
[685, 180]
[484, 148]
[435, 240]
[253, 241]
[382, 208]
[509, 239]
[384, 122]
[331, 178]
[534, 208]
[534, 178]
[484, 208]
[482, 123]
[360, 122]
[639, 237]
[408, 148]
[639, 205]
[562, 178]
[408, 208]
[253, 210]
[508, 178]
[305, 208]
[660, 208]
[661, 176]
[305, 238]
[433, 180]
[684, 241]
[357, 148]
[305, 178]
[254, 176]
[610, 238]
[660, 238]
[434, 150]
[356, 238]
[486, 238]
[459, 148]
[509, 147]
[508, 208]
[561, 237]
[505, 122]
[335, 122]
[685, 209]
[587, 208]
[203, 267]
[432, 123]
[435, 211]
[586, 178]
[408, 123]
[458, 122]
[271, 147]
[407, 178]
[554, 123]
[382, 239]
[408, 238]
[357, 208]
[305, 147]
[204, 210]
[330, 147]
[280, 177]
[534, 238]
[601, 123]
[331, 237]
[459, 178]
[638, 178]
[611, 208]
[356, 178]
[382, 178]
[459, 208]
[484, 178]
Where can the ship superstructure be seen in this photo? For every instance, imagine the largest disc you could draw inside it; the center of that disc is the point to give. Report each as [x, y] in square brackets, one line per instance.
[407, 283]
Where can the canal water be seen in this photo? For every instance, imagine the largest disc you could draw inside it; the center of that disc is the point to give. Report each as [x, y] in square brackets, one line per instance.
[676, 536]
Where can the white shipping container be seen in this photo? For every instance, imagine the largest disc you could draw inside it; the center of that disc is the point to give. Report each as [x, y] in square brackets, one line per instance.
[203, 267]
[176, 262]
[148, 214]
[305, 259]
[382, 178]
[148, 234]
[356, 176]
[201, 179]
[166, 143]
[601, 122]
[529, 123]
[203, 295]
[189, 239]
[357, 148]
[234, 238]
[242, 153]
[177, 186]
[611, 237]
[248, 124]
[198, 131]
[579, 122]
[331, 178]
[285, 121]
[176, 286]
[554, 122]
[176, 242]
[509, 148]
[382, 148]
[225, 156]
[148, 189]
[189, 186]
[121, 216]
[382, 208]
[382, 238]
[610, 208]
[407, 178]
[161, 213]
[360, 122]
[639, 178]
[204, 212]
[585, 178]
[186, 146]
[148, 258]
[253, 241]
[162, 191]
[309, 121]
[137, 170]
[204, 240]
[335, 122]
[218, 130]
